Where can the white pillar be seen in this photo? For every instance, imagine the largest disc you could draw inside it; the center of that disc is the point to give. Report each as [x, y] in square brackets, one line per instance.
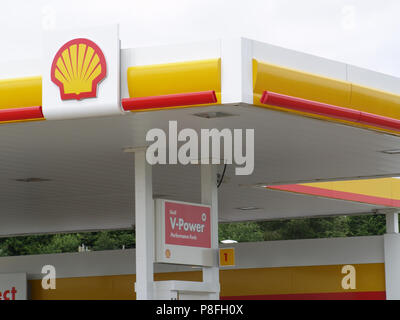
[144, 227]
[392, 256]
[209, 195]
[237, 70]
[392, 222]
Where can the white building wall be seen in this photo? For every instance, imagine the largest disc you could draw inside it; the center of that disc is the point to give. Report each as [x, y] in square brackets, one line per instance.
[359, 250]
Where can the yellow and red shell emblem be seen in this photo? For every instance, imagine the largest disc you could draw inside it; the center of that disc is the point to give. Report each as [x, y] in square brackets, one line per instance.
[77, 69]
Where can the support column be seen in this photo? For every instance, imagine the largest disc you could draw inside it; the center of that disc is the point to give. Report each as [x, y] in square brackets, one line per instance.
[144, 227]
[209, 195]
[392, 222]
[392, 256]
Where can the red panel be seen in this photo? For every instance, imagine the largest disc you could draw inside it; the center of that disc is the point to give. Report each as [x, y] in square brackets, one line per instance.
[187, 225]
[170, 100]
[284, 101]
[380, 295]
[337, 194]
[21, 114]
[323, 109]
[380, 121]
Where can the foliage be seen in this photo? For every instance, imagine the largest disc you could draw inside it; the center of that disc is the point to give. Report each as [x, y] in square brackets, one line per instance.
[114, 240]
[59, 243]
[309, 228]
[305, 228]
[241, 232]
[341, 226]
[366, 225]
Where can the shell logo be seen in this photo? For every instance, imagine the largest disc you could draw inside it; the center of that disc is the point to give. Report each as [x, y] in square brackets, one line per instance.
[77, 69]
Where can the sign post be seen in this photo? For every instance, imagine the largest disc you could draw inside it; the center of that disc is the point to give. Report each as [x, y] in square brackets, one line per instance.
[144, 227]
[187, 233]
[209, 195]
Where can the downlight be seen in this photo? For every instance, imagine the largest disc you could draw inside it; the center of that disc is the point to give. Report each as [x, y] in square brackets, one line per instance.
[32, 180]
[248, 208]
[396, 151]
[228, 241]
[213, 115]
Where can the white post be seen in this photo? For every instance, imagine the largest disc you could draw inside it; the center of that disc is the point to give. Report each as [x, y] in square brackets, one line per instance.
[392, 256]
[237, 70]
[392, 222]
[209, 195]
[144, 227]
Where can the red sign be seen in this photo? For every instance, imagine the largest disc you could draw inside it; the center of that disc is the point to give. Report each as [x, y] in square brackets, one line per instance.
[8, 294]
[187, 225]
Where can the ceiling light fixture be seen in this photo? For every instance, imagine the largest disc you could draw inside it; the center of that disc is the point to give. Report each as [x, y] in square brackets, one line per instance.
[161, 196]
[396, 151]
[248, 208]
[32, 180]
[228, 241]
[213, 115]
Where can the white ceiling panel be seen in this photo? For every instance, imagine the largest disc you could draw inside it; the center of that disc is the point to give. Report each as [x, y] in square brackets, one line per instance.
[91, 180]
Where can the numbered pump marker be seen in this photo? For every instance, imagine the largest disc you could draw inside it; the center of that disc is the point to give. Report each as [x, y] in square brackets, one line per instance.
[227, 257]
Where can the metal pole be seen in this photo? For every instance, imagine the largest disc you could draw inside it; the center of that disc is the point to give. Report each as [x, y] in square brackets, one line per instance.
[144, 227]
[391, 243]
[209, 195]
[392, 222]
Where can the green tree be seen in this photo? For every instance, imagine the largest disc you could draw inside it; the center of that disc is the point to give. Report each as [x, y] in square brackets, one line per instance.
[366, 225]
[241, 232]
[305, 228]
[308, 228]
[105, 241]
[23, 245]
[124, 238]
[61, 243]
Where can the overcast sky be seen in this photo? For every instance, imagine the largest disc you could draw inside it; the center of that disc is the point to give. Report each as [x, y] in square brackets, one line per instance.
[360, 32]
